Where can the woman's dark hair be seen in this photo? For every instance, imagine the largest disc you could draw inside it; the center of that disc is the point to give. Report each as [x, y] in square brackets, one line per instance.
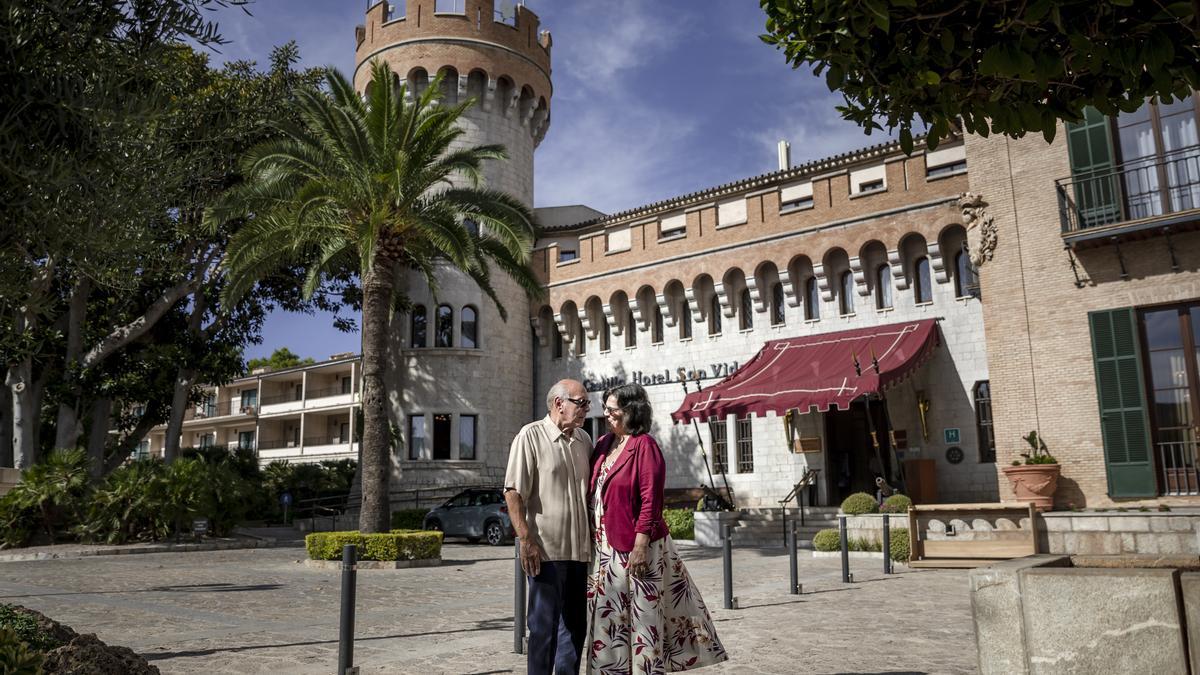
[631, 398]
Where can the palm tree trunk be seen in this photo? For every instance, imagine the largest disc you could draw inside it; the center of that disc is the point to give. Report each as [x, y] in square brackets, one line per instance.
[375, 514]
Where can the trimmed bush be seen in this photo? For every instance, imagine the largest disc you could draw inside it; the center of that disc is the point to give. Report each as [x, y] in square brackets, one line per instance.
[394, 545]
[409, 519]
[899, 542]
[859, 503]
[827, 540]
[682, 523]
[896, 504]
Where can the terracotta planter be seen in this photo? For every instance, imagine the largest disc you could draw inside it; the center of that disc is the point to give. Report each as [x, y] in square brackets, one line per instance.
[1034, 483]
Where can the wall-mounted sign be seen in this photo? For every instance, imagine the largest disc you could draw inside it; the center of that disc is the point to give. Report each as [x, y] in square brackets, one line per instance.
[951, 436]
[664, 376]
[954, 455]
[803, 444]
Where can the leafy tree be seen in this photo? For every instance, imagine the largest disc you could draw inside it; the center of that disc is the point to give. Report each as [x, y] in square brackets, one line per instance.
[1001, 67]
[372, 184]
[278, 360]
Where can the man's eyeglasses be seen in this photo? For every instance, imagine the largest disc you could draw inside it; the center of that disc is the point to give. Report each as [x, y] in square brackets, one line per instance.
[580, 402]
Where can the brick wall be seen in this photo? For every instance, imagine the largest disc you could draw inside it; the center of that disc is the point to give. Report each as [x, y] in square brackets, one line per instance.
[1036, 318]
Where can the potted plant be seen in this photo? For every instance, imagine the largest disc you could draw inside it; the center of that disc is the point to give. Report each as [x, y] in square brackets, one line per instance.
[1035, 479]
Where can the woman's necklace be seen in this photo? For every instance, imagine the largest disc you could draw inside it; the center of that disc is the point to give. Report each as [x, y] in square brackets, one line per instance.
[608, 463]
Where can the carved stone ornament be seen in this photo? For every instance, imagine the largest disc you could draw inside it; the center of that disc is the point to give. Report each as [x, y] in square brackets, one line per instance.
[981, 229]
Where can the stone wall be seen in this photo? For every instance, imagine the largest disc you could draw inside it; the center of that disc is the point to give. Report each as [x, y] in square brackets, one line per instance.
[1106, 532]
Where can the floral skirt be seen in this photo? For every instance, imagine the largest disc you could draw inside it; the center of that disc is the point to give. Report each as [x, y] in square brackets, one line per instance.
[654, 624]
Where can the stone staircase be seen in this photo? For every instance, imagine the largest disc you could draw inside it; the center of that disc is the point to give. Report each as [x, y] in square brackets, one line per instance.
[764, 527]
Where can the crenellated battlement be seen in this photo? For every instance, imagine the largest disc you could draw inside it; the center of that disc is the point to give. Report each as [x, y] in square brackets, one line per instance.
[496, 56]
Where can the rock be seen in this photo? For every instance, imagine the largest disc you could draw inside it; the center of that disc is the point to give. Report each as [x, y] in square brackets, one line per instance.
[54, 630]
[87, 655]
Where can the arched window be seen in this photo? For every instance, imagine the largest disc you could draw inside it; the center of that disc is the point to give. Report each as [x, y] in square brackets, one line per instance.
[605, 334]
[922, 286]
[846, 301]
[558, 342]
[745, 310]
[777, 304]
[444, 331]
[630, 329]
[420, 325]
[469, 336]
[714, 315]
[657, 336]
[963, 275]
[812, 300]
[883, 287]
[685, 320]
[580, 338]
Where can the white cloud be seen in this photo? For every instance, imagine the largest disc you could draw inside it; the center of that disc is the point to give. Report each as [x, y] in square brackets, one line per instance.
[813, 128]
[607, 147]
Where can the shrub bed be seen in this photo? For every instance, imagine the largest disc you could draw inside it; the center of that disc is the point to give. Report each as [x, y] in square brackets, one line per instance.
[387, 546]
[409, 519]
[682, 523]
[859, 503]
[896, 504]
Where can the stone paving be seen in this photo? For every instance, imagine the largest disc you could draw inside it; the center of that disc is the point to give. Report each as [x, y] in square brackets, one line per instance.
[261, 610]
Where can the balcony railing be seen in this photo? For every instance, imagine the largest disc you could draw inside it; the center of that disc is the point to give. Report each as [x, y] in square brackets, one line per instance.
[332, 439]
[282, 398]
[276, 445]
[326, 392]
[1177, 461]
[1143, 189]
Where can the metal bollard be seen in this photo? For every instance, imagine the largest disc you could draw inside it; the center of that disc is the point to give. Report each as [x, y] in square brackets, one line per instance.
[887, 544]
[727, 532]
[346, 629]
[795, 572]
[846, 578]
[519, 608]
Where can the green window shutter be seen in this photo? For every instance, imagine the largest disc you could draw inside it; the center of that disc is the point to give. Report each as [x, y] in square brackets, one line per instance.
[1089, 145]
[1124, 420]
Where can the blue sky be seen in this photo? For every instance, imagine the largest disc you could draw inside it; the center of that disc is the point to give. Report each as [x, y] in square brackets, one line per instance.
[652, 99]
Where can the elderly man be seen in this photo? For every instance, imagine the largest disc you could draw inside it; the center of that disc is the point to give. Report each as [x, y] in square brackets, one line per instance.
[546, 490]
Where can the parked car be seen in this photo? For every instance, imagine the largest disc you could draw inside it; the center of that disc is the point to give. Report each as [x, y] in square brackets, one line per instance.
[477, 513]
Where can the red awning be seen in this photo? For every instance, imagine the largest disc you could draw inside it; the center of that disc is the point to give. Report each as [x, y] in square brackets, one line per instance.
[816, 371]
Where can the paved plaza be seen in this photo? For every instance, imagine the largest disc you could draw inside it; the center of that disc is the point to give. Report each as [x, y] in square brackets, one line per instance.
[261, 610]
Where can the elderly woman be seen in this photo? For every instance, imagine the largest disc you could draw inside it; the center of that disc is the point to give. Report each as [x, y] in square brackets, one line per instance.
[647, 615]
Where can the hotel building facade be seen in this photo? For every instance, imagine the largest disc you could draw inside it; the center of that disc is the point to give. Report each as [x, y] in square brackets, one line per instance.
[1079, 317]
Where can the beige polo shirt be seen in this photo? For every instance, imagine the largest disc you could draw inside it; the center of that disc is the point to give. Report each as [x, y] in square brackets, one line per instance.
[551, 473]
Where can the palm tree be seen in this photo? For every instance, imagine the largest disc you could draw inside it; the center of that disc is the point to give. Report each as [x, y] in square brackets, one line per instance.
[374, 185]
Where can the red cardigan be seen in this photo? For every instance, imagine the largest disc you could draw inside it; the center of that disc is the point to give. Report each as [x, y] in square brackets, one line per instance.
[633, 491]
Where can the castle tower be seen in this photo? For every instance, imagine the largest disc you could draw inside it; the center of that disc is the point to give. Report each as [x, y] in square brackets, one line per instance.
[448, 394]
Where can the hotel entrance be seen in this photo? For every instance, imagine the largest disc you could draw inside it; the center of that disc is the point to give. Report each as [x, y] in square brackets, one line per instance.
[852, 462]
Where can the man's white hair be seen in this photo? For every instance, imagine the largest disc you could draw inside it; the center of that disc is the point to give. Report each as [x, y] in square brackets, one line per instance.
[559, 390]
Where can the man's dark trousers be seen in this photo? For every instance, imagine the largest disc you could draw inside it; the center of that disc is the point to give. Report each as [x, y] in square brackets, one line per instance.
[557, 617]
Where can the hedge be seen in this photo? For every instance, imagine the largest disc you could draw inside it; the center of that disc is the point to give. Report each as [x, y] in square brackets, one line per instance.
[409, 519]
[394, 545]
[896, 504]
[859, 503]
[682, 523]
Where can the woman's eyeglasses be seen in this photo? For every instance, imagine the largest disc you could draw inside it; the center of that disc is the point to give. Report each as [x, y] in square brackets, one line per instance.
[611, 411]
